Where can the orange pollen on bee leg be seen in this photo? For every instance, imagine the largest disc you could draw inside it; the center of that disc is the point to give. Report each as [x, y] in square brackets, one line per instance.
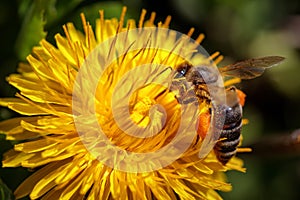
[241, 96]
[203, 125]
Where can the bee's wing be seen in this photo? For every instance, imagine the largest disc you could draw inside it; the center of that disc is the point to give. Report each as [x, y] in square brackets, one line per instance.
[251, 68]
[209, 142]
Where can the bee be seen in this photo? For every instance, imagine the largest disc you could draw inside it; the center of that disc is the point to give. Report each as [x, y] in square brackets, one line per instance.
[192, 84]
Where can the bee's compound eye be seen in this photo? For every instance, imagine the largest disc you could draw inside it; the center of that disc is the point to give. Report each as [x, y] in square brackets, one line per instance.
[183, 71]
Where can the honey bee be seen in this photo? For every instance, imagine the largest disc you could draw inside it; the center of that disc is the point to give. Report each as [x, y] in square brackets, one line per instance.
[192, 85]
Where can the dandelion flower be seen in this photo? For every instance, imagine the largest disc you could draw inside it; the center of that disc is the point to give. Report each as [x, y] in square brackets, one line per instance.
[49, 140]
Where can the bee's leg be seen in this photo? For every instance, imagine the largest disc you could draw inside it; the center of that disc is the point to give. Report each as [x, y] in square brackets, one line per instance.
[189, 97]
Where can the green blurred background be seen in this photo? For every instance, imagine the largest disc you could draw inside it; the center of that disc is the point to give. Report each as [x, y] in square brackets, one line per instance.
[239, 29]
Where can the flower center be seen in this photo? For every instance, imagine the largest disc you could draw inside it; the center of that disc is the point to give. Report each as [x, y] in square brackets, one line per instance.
[140, 111]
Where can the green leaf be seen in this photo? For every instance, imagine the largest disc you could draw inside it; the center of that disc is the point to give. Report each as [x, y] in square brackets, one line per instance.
[57, 10]
[32, 30]
[5, 192]
[35, 14]
[2, 136]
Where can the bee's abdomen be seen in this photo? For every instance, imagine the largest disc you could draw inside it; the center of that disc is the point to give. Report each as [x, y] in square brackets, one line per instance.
[229, 140]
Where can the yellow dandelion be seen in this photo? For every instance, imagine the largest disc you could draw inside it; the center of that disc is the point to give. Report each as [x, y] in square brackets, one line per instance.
[91, 129]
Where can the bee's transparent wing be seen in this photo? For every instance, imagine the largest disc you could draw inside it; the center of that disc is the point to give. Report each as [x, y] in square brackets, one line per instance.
[251, 68]
[209, 142]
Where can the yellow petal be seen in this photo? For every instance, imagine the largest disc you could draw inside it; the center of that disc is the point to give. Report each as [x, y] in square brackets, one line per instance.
[21, 107]
[66, 50]
[15, 159]
[47, 182]
[24, 68]
[35, 146]
[25, 135]
[181, 189]
[26, 186]
[61, 72]
[73, 188]
[202, 168]
[46, 129]
[158, 190]
[103, 186]
[75, 35]
[41, 68]
[34, 90]
[70, 146]
[37, 160]
[88, 179]
[12, 126]
[52, 194]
